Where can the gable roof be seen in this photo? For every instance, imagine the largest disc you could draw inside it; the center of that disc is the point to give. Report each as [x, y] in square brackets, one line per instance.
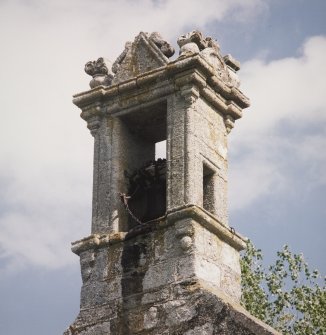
[140, 56]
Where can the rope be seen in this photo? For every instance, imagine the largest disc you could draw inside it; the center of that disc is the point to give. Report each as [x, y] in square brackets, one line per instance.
[124, 199]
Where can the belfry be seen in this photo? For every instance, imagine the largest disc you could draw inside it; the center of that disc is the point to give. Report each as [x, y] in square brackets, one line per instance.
[161, 257]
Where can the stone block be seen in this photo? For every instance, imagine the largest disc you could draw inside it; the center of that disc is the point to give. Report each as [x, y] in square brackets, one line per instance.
[98, 329]
[160, 274]
[206, 329]
[177, 312]
[151, 318]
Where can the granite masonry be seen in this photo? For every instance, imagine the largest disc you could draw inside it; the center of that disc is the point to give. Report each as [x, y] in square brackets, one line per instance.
[161, 257]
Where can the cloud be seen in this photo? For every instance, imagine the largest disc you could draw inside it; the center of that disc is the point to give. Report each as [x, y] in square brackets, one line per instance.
[107, 25]
[45, 149]
[285, 124]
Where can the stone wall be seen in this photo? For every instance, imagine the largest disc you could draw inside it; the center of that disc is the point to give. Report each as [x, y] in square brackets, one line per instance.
[161, 278]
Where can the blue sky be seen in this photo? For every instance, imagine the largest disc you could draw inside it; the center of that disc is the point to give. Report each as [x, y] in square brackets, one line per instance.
[277, 150]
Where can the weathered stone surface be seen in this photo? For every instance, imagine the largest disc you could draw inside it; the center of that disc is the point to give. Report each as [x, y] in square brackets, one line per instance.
[178, 272]
[226, 67]
[146, 53]
[101, 72]
[147, 283]
[149, 294]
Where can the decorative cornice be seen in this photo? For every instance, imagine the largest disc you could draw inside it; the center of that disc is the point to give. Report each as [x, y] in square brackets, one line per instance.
[92, 115]
[96, 241]
[190, 74]
[196, 213]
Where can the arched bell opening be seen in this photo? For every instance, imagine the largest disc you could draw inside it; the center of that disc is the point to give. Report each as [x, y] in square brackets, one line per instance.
[147, 192]
[144, 180]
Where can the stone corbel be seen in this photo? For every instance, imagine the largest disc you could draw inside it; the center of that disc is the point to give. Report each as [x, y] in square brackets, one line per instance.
[190, 94]
[190, 85]
[233, 110]
[93, 124]
[190, 77]
[229, 123]
[92, 116]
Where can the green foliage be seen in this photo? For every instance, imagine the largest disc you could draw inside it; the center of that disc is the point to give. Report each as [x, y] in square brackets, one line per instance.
[289, 297]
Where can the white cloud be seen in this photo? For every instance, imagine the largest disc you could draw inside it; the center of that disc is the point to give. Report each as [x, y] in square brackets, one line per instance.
[313, 150]
[286, 94]
[45, 149]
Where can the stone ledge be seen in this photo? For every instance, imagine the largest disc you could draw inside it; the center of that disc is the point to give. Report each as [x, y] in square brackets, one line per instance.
[200, 215]
[96, 241]
[207, 80]
[210, 222]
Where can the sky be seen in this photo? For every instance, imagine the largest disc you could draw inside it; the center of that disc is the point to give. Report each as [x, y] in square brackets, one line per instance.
[277, 151]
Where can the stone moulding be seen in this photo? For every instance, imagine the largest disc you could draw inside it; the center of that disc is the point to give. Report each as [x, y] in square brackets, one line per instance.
[210, 222]
[229, 100]
[194, 212]
[96, 241]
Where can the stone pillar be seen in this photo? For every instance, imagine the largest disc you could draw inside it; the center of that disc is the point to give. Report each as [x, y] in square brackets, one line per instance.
[197, 149]
[116, 149]
[178, 273]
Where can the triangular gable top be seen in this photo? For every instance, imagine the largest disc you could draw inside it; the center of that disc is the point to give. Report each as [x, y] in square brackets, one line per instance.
[142, 55]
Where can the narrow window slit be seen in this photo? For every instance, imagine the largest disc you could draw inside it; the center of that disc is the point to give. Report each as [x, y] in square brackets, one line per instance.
[208, 188]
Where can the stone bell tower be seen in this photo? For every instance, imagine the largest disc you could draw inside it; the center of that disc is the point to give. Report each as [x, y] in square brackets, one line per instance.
[161, 257]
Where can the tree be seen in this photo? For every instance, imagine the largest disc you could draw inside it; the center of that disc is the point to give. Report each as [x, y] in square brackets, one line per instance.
[289, 297]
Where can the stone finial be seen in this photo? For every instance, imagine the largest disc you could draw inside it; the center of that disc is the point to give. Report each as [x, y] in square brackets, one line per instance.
[195, 43]
[101, 72]
[151, 51]
[191, 43]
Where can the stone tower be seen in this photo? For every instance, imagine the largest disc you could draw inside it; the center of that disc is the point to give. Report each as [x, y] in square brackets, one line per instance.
[161, 257]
